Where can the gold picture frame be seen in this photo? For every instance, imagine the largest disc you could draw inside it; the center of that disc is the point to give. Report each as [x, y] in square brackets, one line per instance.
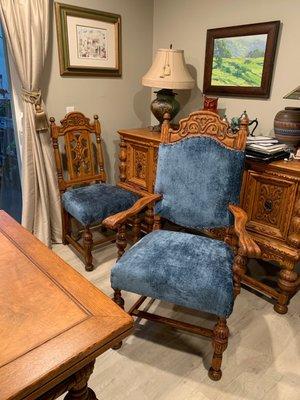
[89, 41]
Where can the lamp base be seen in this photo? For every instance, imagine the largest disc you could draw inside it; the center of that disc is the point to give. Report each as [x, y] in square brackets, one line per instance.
[165, 102]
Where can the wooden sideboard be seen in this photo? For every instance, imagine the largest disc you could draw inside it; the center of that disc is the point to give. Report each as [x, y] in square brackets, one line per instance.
[270, 195]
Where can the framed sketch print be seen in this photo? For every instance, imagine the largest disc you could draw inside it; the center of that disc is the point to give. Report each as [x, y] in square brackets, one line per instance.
[239, 60]
[89, 41]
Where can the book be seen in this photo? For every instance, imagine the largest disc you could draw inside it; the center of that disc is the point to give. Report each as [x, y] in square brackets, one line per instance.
[252, 155]
[251, 139]
[267, 150]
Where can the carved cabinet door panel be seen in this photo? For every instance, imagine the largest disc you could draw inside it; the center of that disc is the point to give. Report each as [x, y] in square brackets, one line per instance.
[140, 166]
[269, 203]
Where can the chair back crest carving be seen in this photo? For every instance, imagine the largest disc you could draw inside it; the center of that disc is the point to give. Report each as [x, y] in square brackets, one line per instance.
[206, 123]
[83, 155]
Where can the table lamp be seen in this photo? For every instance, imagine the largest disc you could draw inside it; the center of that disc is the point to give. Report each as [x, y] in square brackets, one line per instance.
[168, 72]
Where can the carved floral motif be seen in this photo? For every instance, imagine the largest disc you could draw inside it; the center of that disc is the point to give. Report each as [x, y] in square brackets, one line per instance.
[79, 151]
[269, 200]
[75, 119]
[140, 164]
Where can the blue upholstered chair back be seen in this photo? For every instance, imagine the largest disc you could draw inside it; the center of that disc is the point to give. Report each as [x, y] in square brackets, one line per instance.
[198, 178]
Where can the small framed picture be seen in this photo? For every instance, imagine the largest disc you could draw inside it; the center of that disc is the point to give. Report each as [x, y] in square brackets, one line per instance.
[239, 60]
[89, 41]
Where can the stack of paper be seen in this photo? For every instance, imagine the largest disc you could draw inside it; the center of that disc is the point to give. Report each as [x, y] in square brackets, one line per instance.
[265, 145]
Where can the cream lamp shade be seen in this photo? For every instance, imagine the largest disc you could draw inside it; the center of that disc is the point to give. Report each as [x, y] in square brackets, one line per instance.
[168, 71]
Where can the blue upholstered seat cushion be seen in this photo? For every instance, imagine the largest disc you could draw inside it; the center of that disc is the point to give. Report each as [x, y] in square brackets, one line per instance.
[181, 268]
[198, 178]
[94, 203]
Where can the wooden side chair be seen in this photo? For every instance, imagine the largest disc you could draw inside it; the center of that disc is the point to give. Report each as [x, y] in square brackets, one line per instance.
[84, 194]
[198, 181]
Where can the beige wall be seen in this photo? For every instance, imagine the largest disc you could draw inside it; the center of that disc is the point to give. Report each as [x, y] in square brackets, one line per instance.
[120, 102]
[184, 24]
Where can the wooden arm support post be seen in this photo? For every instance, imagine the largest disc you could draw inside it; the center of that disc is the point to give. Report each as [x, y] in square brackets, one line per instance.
[247, 248]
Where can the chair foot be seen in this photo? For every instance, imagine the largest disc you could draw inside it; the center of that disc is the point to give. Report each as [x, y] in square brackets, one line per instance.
[214, 375]
[219, 342]
[89, 267]
[118, 299]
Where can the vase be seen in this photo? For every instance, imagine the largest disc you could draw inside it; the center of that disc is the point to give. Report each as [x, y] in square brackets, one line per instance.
[287, 126]
[165, 102]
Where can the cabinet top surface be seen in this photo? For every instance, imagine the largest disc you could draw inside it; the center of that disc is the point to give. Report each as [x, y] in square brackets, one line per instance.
[292, 167]
[141, 133]
[51, 317]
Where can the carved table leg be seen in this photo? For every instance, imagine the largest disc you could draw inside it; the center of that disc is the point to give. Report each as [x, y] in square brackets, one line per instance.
[79, 390]
[219, 342]
[287, 283]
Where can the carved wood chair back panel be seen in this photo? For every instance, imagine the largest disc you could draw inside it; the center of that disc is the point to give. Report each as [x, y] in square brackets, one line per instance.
[82, 150]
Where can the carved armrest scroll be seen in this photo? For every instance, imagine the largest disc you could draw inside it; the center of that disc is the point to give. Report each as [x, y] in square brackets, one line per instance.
[114, 221]
[246, 245]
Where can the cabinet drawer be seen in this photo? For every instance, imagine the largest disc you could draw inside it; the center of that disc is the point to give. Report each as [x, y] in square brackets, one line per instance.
[269, 203]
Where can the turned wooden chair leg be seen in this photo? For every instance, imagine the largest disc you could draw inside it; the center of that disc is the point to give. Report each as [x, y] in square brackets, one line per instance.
[88, 245]
[136, 228]
[118, 299]
[219, 342]
[157, 222]
[149, 217]
[65, 221]
[121, 241]
[239, 270]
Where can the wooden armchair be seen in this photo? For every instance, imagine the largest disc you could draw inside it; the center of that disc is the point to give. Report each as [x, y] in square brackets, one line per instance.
[84, 194]
[198, 180]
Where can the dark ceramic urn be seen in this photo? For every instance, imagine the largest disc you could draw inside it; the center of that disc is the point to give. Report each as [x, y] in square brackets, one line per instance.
[287, 126]
[165, 102]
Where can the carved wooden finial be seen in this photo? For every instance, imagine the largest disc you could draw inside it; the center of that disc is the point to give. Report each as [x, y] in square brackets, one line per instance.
[96, 116]
[243, 131]
[165, 134]
[244, 119]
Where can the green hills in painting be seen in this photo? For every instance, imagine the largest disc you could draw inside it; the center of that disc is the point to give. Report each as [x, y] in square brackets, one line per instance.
[238, 61]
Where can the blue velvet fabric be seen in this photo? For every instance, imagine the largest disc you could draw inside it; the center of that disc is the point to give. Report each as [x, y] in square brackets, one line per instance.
[181, 268]
[94, 203]
[198, 177]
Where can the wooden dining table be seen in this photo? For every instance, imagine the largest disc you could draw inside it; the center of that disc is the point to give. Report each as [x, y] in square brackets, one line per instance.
[53, 322]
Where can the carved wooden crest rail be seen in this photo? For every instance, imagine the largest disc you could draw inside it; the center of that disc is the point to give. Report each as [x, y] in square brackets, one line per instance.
[207, 123]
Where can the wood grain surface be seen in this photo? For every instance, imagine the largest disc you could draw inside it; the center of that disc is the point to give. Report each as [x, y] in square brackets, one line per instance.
[52, 320]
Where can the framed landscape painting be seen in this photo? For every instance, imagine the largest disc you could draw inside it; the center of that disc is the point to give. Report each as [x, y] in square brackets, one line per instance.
[89, 41]
[239, 60]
